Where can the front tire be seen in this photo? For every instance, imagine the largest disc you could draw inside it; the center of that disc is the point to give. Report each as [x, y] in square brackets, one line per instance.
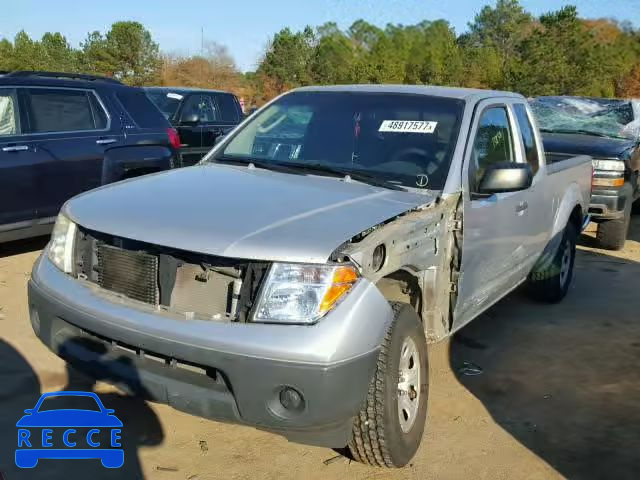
[612, 234]
[552, 283]
[389, 427]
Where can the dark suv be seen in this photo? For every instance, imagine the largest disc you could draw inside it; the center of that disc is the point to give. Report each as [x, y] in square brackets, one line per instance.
[200, 116]
[63, 134]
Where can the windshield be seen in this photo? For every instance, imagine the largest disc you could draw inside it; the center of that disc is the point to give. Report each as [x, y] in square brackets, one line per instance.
[69, 402]
[406, 140]
[167, 101]
[600, 117]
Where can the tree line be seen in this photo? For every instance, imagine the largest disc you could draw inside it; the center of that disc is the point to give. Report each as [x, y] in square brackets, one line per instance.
[504, 47]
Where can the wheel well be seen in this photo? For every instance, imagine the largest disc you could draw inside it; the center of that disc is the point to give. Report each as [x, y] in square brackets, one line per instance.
[402, 286]
[576, 218]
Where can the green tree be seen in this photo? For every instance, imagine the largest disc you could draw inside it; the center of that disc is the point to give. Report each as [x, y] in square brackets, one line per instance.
[58, 54]
[562, 57]
[434, 57]
[127, 52]
[27, 53]
[502, 28]
[333, 56]
[288, 58]
[7, 61]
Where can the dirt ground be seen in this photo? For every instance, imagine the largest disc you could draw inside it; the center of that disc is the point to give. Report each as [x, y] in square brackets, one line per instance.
[559, 395]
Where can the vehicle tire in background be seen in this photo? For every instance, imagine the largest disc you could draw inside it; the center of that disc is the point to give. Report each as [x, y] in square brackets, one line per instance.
[612, 234]
[388, 429]
[552, 284]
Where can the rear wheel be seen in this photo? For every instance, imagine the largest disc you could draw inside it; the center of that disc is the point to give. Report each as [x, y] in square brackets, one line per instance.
[388, 429]
[612, 234]
[551, 284]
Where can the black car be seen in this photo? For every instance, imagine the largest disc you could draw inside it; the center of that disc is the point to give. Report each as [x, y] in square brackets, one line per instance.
[63, 134]
[609, 131]
[200, 116]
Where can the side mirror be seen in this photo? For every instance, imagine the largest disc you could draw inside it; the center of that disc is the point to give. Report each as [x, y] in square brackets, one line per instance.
[505, 177]
[190, 119]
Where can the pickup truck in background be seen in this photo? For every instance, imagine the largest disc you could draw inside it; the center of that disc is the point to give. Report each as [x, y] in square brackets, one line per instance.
[293, 279]
[62, 134]
[609, 131]
[200, 116]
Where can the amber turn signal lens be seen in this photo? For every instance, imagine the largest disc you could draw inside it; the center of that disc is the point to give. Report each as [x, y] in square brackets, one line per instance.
[607, 182]
[343, 280]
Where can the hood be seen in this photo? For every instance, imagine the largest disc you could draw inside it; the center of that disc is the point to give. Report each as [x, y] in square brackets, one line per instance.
[578, 144]
[239, 212]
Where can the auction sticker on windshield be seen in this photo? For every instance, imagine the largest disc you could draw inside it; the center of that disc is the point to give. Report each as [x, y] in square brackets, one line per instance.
[408, 126]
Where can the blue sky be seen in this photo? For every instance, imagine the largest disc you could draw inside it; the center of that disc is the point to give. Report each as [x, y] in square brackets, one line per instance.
[245, 26]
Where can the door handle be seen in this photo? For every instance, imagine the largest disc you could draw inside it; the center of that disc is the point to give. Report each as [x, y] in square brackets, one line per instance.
[15, 148]
[105, 141]
[521, 207]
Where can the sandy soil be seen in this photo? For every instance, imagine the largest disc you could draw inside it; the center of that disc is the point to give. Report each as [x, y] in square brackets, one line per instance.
[559, 395]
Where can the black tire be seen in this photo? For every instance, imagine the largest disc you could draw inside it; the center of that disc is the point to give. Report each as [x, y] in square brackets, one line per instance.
[552, 283]
[378, 438]
[612, 234]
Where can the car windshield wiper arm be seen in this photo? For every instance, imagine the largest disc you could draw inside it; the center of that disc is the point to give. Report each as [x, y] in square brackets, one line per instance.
[266, 164]
[579, 131]
[354, 174]
[299, 168]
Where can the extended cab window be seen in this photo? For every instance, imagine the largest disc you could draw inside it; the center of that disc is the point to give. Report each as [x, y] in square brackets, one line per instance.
[528, 137]
[493, 143]
[60, 110]
[8, 112]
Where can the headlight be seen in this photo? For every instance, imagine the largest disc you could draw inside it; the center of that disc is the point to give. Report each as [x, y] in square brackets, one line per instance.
[295, 293]
[60, 249]
[610, 165]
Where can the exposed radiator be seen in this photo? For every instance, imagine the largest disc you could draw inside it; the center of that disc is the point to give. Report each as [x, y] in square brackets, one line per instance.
[131, 273]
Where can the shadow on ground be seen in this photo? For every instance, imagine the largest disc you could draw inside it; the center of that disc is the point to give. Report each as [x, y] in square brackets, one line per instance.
[23, 246]
[564, 379]
[21, 390]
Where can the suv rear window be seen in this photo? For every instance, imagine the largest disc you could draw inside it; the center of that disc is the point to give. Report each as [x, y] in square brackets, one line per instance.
[140, 109]
[228, 109]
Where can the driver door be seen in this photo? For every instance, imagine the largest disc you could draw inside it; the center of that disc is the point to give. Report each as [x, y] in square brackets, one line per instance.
[496, 226]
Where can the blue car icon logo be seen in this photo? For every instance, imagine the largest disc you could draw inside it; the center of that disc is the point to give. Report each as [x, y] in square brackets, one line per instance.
[69, 425]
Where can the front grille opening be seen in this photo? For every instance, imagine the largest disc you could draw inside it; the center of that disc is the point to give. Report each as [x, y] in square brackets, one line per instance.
[130, 351]
[134, 274]
[193, 285]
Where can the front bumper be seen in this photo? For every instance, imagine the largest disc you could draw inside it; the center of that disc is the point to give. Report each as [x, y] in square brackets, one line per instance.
[222, 371]
[610, 204]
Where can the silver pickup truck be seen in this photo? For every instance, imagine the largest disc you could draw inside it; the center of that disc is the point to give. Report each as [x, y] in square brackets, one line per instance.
[293, 279]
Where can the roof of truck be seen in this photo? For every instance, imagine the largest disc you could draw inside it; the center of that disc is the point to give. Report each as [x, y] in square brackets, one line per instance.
[450, 92]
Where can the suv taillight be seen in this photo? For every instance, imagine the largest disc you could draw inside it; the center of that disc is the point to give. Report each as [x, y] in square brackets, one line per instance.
[174, 138]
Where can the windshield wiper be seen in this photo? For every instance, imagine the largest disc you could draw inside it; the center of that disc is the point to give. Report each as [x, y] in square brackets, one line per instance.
[357, 175]
[579, 131]
[267, 165]
[299, 168]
